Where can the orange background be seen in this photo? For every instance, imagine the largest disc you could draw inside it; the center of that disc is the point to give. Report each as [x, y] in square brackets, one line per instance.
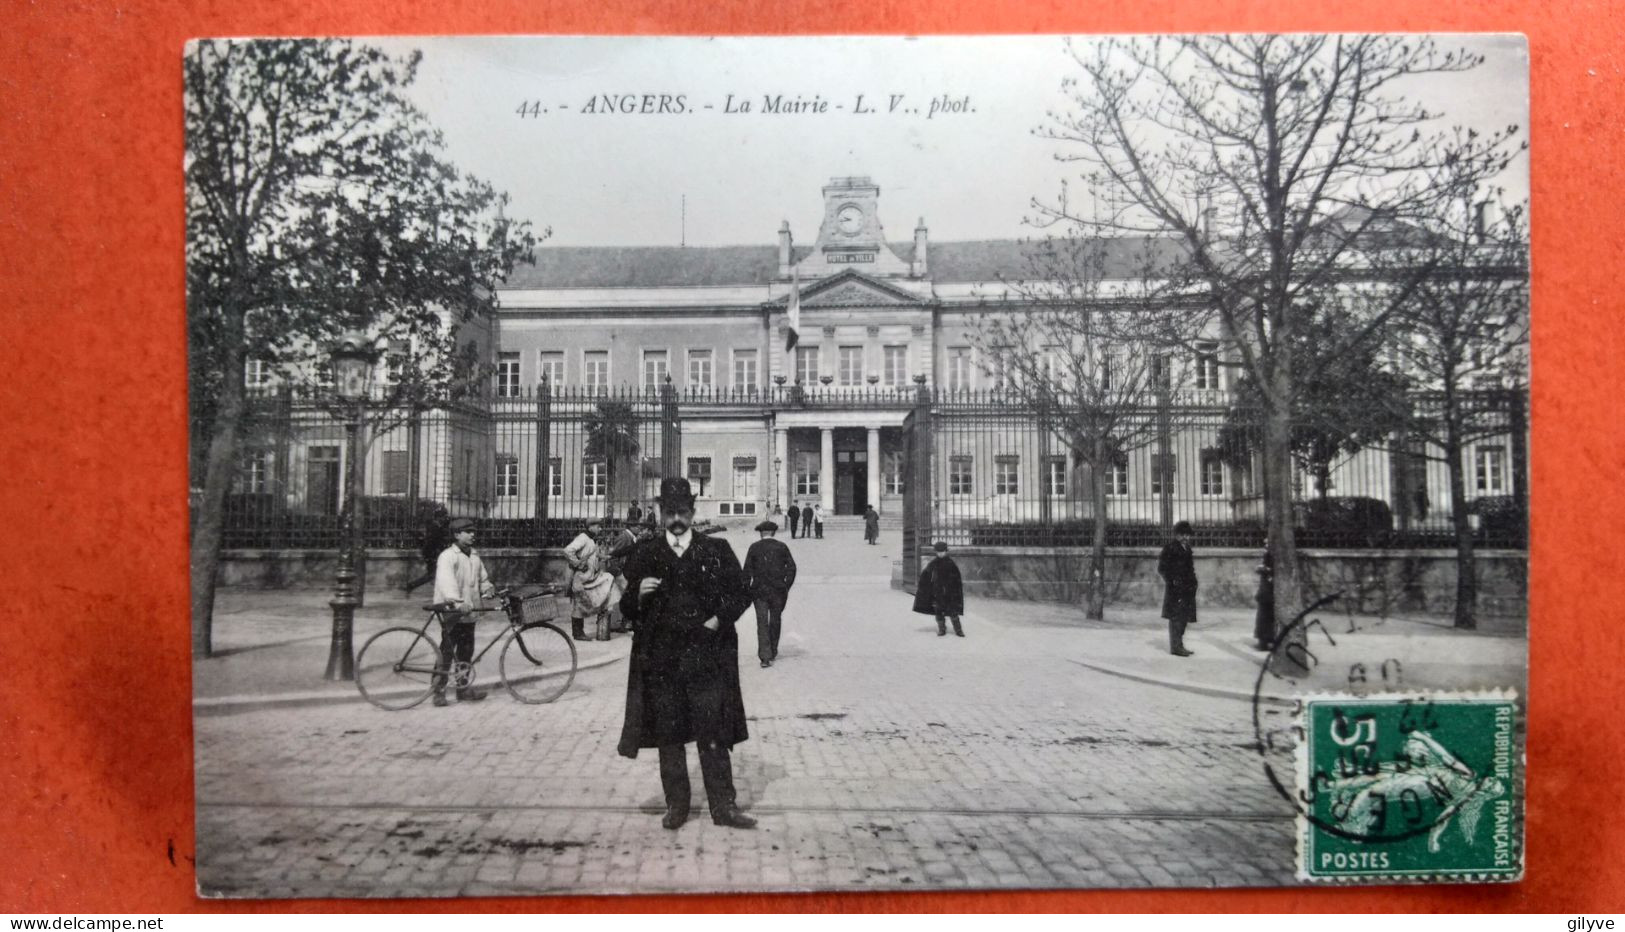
[95, 694]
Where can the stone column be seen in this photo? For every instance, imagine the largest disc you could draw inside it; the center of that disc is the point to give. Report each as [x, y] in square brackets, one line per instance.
[874, 467]
[785, 478]
[826, 470]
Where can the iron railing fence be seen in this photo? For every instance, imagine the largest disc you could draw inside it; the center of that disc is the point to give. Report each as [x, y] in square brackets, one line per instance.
[981, 468]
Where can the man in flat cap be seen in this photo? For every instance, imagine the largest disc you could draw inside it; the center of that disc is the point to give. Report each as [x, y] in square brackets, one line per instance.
[460, 580]
[770, 571]
[684, 592]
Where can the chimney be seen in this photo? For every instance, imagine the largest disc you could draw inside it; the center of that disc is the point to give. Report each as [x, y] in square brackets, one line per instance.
[920, 267]
[786, 254]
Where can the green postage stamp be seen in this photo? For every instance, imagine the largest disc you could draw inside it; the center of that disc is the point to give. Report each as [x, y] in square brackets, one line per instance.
[1415, 786]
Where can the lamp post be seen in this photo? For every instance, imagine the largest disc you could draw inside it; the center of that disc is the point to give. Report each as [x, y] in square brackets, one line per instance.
[778, 464]
[353, 359]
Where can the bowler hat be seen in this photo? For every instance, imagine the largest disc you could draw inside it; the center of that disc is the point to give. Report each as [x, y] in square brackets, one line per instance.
[460, 524]
[1183, 527]
[675, 492]
[767, 526]
[940, 547]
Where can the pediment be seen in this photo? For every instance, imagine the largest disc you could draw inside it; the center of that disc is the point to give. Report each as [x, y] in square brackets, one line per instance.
[853, 289]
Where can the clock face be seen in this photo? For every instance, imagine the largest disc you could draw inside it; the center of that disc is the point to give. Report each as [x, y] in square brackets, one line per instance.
[849, 220]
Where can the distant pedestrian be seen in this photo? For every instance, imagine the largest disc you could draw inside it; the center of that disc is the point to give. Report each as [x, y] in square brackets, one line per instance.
[1264, 621]
[634, 513]
[1177, 567]
[615, 544]
[806, 520]
[941, 591]
[650, 519]
[871, 525]
[818, 520]
[462, 585]
[770, 571]
[795, 519]
[591, 586]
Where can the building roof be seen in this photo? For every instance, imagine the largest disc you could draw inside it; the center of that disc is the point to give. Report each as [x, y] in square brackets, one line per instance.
[716, 266]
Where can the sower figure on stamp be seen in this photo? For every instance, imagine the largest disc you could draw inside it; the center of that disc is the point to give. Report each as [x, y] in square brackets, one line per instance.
[770, 571]
[684, 592]
[940, 591]
[1177, 567]
[460, 579]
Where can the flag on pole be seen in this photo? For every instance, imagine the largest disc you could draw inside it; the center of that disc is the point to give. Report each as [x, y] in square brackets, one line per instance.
[793, 314]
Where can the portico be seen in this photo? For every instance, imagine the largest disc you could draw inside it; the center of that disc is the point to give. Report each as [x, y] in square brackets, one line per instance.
[838, 459]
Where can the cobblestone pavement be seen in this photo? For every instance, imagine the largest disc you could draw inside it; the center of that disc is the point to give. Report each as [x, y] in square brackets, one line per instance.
[880, 757]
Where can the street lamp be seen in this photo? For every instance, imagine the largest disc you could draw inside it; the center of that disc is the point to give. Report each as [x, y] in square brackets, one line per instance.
[353, 360]
[778, 464]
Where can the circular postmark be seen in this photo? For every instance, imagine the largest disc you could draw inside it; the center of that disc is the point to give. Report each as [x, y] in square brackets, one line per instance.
[1348, 783]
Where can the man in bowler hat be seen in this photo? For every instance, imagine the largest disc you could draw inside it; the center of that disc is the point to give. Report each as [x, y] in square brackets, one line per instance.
[462, 585]
[770, 571]
[806, 521]
[941, 591]
[684, 592]
[1177, 567]
[795, 518]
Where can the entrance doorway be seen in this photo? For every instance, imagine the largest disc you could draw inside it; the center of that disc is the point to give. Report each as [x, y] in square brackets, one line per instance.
[851, 482]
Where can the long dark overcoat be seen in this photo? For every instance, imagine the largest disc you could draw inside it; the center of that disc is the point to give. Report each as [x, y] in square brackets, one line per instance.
[871, 525]
[941, 591]
[770, 571]
[683, 679]
[1177, 567]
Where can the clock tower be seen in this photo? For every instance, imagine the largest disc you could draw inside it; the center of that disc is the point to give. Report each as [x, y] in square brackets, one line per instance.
[850, 237]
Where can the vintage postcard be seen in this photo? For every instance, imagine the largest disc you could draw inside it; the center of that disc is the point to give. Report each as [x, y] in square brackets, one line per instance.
[649, 465]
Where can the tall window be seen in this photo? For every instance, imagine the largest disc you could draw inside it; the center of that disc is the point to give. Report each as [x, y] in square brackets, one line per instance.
[1055, 476]
[1052, 367]
[807, 365]
[1207, 366]
[958, 368]
[555, 477]
[396, 465]
[507, 476]
[257, 373]
[744, 368]
[960, 481]
[896, 358]
[745, 486]
[1111, 370]
[998, 368]
[1162, 473]
[594, 479]
[1162, 371]
[254, 471]
[891, 472]
[851, 365]
[655, 368]
[1006, 475]
[508, 375]
[699, 368]
[1117, 476]
[595, 368]
[699, 474]
[550, 366]
[807, 473]
[1489, 470]
[1212, 480]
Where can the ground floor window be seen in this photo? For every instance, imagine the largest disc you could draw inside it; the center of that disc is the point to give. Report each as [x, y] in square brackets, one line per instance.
[1489, 470]
[555, 477]
[744, 477]
[1006, 475]
[1162, 474]
[806, 473]
[1055, 476]
[891, 472]
[1212, 473]
[507, 477]
[594, 479]
[699, 473]
[960, 481]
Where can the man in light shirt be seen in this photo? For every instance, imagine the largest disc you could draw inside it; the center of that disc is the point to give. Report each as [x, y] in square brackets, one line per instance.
[460, 581]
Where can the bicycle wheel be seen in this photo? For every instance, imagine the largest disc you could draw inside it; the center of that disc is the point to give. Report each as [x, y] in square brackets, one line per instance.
[538, 663]
[395, 668]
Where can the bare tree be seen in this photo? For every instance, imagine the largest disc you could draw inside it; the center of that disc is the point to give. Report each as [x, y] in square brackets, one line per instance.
[1075, 343]
[1270, 160]
[317, 202]
[1466, 327]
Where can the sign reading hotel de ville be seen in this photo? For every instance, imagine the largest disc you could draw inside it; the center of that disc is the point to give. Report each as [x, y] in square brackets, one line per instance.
[636, 465]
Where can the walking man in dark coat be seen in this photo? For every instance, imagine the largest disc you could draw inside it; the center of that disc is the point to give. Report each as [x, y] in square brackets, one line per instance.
[871, 525]
[770, 571]
[684, 592]
[1177, 567]
[795, 518]
[940, 591]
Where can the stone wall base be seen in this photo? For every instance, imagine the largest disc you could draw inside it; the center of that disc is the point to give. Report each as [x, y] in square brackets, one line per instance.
[1380, 582]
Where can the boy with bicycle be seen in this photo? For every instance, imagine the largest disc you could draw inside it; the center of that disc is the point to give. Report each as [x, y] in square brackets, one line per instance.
[461, 580]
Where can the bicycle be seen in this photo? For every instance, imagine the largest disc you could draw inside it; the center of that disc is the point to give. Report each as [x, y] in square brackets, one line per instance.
[397, 666]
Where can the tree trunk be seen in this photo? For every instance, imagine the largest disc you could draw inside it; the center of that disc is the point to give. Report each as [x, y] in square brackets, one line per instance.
[208, 530]
[1466, 567]
[1096, 588]
[1282, 543]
